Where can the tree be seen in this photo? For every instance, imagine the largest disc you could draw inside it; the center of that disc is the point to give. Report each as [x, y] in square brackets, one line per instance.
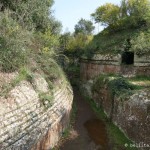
[84, 26]
[32, 13]
[131, 13]
[107, 14]
[136, 12]
[22, 21]
[64, 41]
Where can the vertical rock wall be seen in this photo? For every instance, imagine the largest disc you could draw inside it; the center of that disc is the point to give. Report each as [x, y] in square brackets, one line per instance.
[25, 123]
[131, 115]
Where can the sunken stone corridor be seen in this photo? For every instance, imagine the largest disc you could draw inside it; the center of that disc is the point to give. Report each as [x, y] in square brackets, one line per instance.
[29, 123]
[83, 89]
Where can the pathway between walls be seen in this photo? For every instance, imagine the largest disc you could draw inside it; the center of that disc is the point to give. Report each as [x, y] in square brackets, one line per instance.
[89, 132]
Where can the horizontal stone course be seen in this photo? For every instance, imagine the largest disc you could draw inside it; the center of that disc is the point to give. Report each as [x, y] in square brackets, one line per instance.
[25, 125]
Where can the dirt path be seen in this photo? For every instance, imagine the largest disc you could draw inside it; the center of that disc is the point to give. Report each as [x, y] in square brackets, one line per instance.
[88, 132]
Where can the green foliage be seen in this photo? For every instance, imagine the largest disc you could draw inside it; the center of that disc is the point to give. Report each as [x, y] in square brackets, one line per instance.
[136, 11]
[14, 41]
[26, 29]
[32, 14]
[120, 87]
[48, 43]
[84, 26]
[126, 40]
[140, 78]
[77, 44]
[64, 41]
[100, 82]
[73, 73]
[131, 14]
[52, 71]
[118, 138]
[107, 14]
[117, 85]
[127, 28]
[74, 45]
[114, 43]
[141, 43]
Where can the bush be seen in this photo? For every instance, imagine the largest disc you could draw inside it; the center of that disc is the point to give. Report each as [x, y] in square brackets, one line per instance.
[13, 44]
[117, 85]
[120, 86]
[141, 43]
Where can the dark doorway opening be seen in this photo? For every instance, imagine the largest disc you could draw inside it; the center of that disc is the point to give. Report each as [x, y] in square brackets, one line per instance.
[128, 58]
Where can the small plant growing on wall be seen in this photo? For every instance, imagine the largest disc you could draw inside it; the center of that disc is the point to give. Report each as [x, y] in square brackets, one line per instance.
[117, 85]
[46, 99]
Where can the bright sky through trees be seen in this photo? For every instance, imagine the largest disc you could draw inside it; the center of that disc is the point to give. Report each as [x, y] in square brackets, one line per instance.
[69, 12]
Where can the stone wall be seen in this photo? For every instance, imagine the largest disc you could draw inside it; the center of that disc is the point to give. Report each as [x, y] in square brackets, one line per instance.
[91, 69]
[99, 64]
[131, 115]
[25, 123]
[141, 61]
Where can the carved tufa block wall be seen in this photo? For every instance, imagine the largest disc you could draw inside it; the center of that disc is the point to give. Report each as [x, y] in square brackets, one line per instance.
[25, 124]
[100, 64]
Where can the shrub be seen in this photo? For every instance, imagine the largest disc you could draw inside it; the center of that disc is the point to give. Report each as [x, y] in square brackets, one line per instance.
[117, 85]
[13, 43]
[141, 43]
[120, 86]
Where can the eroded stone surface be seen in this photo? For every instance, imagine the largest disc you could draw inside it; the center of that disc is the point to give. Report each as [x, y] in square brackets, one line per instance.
[131, 115]
[25, 123]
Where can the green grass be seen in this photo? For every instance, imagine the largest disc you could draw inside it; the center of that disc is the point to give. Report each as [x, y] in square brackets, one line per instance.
[140, 78]
[107, 42]
[140, 82]
[115, 135]
[110, 43]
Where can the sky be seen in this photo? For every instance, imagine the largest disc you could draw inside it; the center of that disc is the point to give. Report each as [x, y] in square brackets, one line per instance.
[69, 12]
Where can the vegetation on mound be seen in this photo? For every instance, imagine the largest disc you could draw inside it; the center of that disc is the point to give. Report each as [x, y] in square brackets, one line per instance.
[29, 43]
[25, 30]
[117, 85]
[114, 43]
[136, 40]
[126, 28]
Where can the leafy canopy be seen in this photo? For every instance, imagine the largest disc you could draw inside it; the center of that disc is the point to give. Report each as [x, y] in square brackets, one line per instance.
[84, 26]
[106, 14]
[131, 13]
[26, 26]
[127, 26]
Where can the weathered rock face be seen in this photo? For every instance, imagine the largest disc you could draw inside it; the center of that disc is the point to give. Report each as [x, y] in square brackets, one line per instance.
[25, 123]
[131, 115]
